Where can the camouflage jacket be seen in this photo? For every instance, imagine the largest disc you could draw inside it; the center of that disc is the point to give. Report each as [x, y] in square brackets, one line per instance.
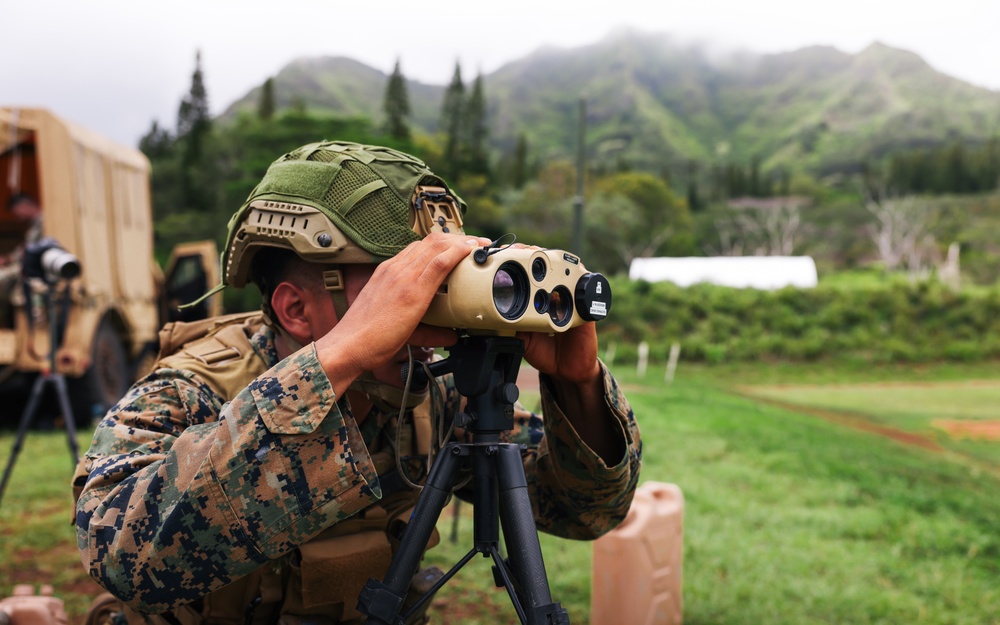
[184, 491]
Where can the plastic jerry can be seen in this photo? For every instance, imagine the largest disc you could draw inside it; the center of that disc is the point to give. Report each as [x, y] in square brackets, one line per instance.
[637, 566]
[27, 608]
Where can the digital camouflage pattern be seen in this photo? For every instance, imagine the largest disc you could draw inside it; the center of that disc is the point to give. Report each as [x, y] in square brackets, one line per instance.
[183, 492]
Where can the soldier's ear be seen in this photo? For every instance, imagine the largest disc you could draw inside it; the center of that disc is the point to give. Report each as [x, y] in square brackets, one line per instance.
[290, 305]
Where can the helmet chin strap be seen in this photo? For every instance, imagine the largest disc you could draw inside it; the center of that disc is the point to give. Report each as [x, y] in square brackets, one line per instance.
[385, 396]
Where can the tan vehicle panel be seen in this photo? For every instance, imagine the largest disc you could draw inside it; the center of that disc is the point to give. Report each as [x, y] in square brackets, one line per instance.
[96, 203]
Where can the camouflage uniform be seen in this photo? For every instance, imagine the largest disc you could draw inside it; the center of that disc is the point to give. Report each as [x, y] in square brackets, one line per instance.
[184, 492]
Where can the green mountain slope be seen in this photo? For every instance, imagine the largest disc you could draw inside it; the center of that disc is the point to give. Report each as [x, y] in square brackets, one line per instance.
[341, 86]
[653, 102]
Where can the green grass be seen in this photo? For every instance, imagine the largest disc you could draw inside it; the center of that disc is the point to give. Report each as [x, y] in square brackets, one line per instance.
[789, 518]
[37, 535]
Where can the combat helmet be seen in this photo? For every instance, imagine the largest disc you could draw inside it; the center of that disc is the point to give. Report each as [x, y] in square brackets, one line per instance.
[339, 203]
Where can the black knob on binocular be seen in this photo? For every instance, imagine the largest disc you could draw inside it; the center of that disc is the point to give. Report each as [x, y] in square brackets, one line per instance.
[593, 297]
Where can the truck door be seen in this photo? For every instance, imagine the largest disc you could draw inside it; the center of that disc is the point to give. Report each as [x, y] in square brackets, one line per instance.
[193, 269]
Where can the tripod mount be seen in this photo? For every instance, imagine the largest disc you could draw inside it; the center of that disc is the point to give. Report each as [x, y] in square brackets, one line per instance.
[485, 372]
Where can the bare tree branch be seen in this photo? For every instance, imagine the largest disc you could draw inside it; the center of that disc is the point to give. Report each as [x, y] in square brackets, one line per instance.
[768, 228]
[901, 231]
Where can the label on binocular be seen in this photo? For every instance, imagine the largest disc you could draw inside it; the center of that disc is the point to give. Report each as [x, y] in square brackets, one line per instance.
[598, 309]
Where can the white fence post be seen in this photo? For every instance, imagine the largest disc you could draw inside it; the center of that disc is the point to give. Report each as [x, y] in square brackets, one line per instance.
[675, 354]
[640, 369]
[609, 354]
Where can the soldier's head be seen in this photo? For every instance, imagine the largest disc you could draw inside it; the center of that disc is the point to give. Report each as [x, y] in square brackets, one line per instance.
[23, 207]
[321, 219]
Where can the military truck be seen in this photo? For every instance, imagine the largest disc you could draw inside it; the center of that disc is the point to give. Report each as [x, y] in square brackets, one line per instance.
[95, 200]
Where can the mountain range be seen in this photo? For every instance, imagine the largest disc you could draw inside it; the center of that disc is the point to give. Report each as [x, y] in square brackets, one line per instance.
[654, 102]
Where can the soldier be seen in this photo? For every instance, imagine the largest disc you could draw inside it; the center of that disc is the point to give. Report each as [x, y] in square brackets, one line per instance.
[263, 470]
[26, 210]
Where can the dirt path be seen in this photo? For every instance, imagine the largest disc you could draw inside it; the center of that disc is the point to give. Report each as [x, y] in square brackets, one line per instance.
[858, 422]
[850, 420]
[975, 430]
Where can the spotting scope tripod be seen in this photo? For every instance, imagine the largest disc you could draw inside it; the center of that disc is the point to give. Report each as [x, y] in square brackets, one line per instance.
[485, 372]
[49, 376]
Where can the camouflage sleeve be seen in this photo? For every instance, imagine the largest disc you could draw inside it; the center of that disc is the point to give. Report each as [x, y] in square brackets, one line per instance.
[574, 493]
[186, 493]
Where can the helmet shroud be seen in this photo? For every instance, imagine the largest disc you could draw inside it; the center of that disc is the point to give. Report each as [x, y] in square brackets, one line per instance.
[339, 203]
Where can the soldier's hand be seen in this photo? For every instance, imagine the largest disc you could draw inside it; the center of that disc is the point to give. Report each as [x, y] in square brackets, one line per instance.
[386, 314]
[570, 356]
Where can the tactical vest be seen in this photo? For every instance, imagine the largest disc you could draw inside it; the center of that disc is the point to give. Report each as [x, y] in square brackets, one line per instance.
[318, 582]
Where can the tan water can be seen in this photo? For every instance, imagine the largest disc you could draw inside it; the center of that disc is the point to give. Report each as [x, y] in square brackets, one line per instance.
[637, 566]
[27, 608]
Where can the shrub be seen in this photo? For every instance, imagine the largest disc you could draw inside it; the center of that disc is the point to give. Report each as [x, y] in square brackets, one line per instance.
[891, 322]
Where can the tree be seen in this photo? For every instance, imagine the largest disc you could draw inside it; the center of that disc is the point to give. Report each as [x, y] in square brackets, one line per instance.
[693, 198]
[901, 230]
[265, 107]
[753, 184]
[635, 215]
[541, 210]
[760, 227]
[396, 105]
[194, 126]
[519, 175]
[452, 113]
[193, 115]
[476, 132]
[156, 143]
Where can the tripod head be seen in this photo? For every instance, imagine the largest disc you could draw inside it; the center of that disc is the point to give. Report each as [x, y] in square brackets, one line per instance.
[485, 372]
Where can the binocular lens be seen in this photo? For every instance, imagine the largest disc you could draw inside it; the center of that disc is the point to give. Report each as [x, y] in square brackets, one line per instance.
[538, 269]
[560, 306]
[541, 301]
[510, 290]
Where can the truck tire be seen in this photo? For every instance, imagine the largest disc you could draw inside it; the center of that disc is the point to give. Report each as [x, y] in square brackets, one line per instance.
[107, 380]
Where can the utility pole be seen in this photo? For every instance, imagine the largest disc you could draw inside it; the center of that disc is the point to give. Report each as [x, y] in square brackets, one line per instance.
[581, 168]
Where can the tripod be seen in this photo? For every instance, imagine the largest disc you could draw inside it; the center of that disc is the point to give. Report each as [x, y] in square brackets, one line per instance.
[47, 377]
[485, 369]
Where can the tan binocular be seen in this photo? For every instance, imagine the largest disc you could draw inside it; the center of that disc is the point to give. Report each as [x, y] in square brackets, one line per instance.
[519, 289]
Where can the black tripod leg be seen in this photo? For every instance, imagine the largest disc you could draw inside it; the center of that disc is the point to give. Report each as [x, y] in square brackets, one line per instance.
[383, 601]
[63, 394]
[37, 389]
[521, 538]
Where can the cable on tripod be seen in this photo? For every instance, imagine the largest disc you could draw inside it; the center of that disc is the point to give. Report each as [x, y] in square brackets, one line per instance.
[440, 435]
[400, 421]
[437, 409]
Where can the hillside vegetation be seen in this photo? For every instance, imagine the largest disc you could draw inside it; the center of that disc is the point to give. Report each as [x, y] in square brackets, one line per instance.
[859, 160]
[654, 102]
[881, 323]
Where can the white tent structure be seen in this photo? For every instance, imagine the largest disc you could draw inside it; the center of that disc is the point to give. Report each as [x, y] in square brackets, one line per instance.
[754, 272]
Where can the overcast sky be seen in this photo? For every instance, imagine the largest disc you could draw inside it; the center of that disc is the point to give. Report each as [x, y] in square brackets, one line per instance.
[115, 65]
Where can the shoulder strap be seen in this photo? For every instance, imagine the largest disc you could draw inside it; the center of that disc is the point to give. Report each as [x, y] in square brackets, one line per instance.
[176, 334]
[221, 356]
